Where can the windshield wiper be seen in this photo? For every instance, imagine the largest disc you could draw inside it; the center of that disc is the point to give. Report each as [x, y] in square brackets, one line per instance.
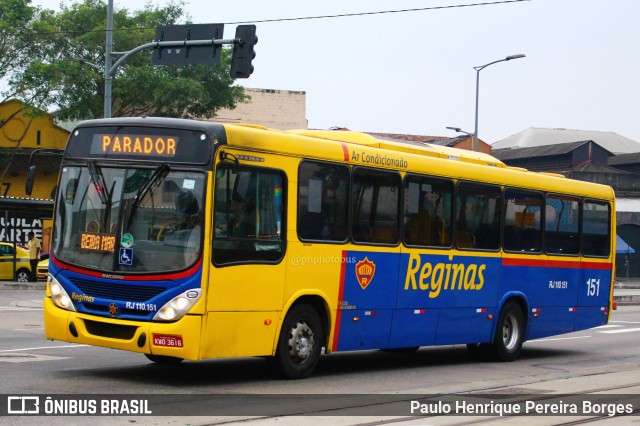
[100, 184]
[159, 173]
[98, 181]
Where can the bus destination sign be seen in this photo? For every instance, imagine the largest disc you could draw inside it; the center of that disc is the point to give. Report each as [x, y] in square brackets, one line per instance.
[154, 146]
[98, 242]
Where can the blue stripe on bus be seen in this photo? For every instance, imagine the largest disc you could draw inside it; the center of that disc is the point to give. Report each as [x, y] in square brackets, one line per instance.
[448, 299]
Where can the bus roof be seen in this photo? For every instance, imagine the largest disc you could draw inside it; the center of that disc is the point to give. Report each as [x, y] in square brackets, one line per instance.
[420, 148]
[347, 146]
[341, 146]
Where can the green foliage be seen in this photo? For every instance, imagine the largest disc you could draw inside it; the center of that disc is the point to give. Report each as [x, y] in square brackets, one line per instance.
[16, 36]
[55, 78]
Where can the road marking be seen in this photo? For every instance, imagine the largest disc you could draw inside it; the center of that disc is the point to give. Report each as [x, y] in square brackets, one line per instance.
[622, 330]
[15, 308]
[559, 338]
[19, 358]
[627, 322]
[607, 326]
[42, 347]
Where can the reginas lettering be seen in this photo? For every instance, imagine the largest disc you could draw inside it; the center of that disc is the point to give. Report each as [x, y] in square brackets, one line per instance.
[434, 278]
[82, 297]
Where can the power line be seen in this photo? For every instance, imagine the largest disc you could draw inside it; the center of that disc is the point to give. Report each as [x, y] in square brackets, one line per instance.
[347, 15]
[300, 18]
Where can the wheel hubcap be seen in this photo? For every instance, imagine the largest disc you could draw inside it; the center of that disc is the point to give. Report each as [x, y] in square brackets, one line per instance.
[301, 342]
[510, 332]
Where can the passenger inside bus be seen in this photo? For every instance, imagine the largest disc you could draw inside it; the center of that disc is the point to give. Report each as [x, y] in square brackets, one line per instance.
[187, 209]
[242, 223]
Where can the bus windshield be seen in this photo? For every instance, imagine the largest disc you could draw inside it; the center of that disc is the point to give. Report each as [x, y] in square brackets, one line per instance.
[129, 220]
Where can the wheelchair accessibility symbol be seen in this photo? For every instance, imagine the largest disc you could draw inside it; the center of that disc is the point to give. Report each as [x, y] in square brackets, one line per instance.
[126, 256]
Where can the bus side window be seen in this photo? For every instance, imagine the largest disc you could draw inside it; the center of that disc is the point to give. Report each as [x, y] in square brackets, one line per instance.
[376, 206]
[478, 216]
[427, 210]
[596, 219]
[561, 228]
[323, 201]
[249, 215]
[522, 220]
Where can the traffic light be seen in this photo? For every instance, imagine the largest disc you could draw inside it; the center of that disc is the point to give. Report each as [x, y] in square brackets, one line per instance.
[243, 52]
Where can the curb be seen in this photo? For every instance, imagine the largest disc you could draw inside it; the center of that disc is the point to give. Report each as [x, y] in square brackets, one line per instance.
[22, 286]
[634, 285]
[627, 300]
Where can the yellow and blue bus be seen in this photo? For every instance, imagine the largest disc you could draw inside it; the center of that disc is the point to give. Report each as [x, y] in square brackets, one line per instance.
[183, 239]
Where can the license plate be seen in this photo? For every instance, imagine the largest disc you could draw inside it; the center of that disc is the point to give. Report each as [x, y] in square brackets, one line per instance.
[167, 340]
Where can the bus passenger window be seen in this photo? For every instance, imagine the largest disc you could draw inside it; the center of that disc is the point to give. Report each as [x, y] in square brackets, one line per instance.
[477, 216]
[427, 211]
[561, 225]
[596, 217]
[322, 201]
[522, 221]
[376, 206]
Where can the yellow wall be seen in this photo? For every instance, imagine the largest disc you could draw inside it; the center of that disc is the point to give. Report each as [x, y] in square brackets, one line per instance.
[41, 132]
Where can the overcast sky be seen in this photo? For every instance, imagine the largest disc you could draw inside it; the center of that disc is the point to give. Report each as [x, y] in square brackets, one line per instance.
[413, 73]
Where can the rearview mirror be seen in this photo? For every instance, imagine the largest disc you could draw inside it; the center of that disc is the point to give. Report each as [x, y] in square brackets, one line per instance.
[31, 176]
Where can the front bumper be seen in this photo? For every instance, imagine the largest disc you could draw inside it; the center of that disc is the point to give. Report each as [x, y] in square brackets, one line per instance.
[134, 336]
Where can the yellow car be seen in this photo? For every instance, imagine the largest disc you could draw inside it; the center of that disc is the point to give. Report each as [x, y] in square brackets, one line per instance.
[42, 271]
[23, 268]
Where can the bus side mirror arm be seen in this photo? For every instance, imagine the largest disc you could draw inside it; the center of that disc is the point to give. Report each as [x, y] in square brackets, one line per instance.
[31, 176]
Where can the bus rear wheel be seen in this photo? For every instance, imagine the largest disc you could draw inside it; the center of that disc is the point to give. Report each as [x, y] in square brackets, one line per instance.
[509, 332]
[300, 343]
[164, 359]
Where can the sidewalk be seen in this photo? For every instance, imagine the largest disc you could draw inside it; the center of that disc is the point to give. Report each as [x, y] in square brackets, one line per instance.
[626, 292]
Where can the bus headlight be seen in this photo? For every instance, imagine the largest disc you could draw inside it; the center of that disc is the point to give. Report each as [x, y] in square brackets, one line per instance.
[177, 307]
[59, 295]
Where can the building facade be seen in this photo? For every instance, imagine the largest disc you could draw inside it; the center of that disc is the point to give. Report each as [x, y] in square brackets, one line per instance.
[275, 109]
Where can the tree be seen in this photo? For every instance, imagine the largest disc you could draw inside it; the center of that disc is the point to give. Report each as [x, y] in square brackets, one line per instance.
[57, 80]
[18, 35]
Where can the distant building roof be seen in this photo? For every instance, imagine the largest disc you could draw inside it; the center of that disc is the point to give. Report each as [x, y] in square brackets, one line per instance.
[450, 141]
[592, 167]
[408, 138]
[536, 137]
[514, 153]
[631, 158]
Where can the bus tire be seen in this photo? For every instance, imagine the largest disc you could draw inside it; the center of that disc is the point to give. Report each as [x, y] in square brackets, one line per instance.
[509, 332]
[164, 359]
[300, 343]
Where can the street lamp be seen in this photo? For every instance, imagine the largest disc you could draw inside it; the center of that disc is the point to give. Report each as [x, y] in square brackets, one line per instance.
[459, 130]
[478, 69]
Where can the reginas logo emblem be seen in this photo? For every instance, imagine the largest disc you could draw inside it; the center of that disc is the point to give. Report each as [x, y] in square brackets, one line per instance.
[113, 310]
[365, 269]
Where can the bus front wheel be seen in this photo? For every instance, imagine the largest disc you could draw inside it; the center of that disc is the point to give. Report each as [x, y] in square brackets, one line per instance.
[509, 332]
[300, 343]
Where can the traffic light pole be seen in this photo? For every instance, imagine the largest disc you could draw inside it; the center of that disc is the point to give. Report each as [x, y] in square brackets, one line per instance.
[108, 73]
